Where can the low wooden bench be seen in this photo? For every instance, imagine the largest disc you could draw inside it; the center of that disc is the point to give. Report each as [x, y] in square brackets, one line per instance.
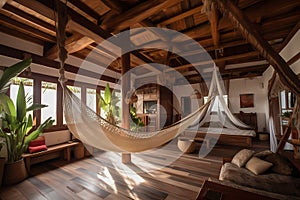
[32, 158]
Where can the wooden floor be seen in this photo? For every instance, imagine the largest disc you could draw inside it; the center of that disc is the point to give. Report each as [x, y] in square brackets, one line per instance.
[103, 176]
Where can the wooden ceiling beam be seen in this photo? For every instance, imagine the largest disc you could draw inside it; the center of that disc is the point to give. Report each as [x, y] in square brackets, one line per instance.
[137, 14]
[82, 6]
[2, 3]
[275, 8]
[18, 54]
[25, 29]
[289, 36]
[21, 35]
[287, 76]
[214, 25]
[228, 58]
[115, 5]
[28, 17]
[73, 44]
[38, 7]
[294, 59]
[180, 16]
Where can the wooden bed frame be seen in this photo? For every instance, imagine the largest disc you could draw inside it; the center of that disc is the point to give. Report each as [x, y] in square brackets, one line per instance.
[235, 140]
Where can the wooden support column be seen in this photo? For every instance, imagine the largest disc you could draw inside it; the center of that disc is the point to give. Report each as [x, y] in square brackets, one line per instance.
[125, 83]
[37, 98]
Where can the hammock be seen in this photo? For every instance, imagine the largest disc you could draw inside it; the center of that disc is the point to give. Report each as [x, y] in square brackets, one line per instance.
[94, 130]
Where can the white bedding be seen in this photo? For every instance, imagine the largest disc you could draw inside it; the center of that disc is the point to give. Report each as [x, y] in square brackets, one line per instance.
[225, 131]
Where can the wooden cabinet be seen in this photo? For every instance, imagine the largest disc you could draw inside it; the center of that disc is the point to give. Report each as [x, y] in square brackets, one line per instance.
[154, 106]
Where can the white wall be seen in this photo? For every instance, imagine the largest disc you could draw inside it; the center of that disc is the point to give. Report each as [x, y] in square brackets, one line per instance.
[253, 86]
[185, 90]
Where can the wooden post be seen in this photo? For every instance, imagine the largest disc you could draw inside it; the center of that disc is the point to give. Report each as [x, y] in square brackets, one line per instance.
[125, 83]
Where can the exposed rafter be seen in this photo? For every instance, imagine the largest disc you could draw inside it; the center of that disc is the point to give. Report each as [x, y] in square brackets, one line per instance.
[137, 14]
[180, 16]
[18, 54]
[2, 3]
[285, 73]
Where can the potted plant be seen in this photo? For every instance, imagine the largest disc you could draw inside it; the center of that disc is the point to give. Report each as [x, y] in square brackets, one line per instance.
[16, 128]
[9, 73]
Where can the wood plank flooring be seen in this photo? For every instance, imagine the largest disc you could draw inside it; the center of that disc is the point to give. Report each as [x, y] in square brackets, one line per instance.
[103, 176]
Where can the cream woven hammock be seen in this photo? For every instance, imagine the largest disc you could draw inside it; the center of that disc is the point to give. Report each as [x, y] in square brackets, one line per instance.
[94, 130]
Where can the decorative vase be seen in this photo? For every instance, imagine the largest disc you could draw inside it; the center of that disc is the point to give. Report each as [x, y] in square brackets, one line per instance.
[14, 172]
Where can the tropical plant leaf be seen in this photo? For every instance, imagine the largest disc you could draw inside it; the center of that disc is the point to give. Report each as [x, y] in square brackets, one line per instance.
[7, 105]
[36, 106]
[107, 94]
[29, 123]
[13, 71]
[32, 136]
[21, 103]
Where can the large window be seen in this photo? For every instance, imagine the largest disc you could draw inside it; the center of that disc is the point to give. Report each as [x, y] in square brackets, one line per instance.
[91, 99]
[49, 97]
[75, 90]
[287, 101]
[28, 87]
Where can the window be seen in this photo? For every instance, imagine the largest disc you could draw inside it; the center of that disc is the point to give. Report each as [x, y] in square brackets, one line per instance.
[75, 90]
[28, 87]
[91, 99]
[102, 112]
[287, 101]
[48, 97]
[217, 103]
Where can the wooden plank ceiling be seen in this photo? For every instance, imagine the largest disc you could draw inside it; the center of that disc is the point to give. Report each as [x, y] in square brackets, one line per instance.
[91, 21]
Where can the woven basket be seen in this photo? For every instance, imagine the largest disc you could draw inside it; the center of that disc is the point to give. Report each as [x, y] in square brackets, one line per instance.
[186, 145]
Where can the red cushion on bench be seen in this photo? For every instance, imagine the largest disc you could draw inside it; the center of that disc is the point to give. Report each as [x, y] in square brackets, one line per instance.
[37, 142]
[37, 148]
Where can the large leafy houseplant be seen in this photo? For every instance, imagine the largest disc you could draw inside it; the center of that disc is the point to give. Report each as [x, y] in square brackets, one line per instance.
[108, 104]
[8, 74]
[17, 126]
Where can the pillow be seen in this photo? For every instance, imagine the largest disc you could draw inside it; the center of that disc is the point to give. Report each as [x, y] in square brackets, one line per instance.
[258, 166]
[37, 142]
[281, 165]
[37, 148]
[263, 154]
[241, 158]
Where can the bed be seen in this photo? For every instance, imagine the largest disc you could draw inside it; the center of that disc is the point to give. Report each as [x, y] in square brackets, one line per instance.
[227, 136]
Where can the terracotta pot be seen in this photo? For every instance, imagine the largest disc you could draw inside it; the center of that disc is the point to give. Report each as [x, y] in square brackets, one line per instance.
[14, 172]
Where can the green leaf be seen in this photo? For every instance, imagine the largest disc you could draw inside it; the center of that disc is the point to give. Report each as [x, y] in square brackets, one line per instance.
[7, 105]
[47, 124]
[36, 106]
[107, 94]
[21, 103]
[13, 71]
[29, 123]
